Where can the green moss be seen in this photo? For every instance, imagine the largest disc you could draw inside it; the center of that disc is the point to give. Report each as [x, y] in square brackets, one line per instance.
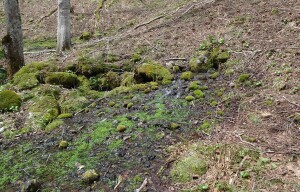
[213, 103]
[85, 35]
[194, 85]
[88, 66]
[54, 125]
[296, 118]
[90, 176]
[202, 88]
[199, 94]
[185, 168]
[224, 186]
[194, 64]
[206, 127]
[189, 98]
[244, 77]
[153, 72]
[121, 128]
[67, 80]
[215, 75]
[174, 126]
[220, 112]
[46, 89]
[27, 81]
[188, 75]
[72, 102]
[43, 111]
[9, 100]
[65, 116]
[129, 105]
[127, 79]
[113, 79]
[136, 57]
[30, 75]
[63, 144]
[223, 57]
[111, 104]
[39, 44]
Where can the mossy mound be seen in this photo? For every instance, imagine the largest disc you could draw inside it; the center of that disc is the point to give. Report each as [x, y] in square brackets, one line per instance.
[32, 74]
[194, 85]
[54, 125]
[90, 176]
[9, 100]
[199, 94]
[67, 80]
[85, 35]
[127, 79]
[46, 89]
[89, 66]
[43, 110]
[72, 102]
[210, 55]
[187, 167]
[153, 72]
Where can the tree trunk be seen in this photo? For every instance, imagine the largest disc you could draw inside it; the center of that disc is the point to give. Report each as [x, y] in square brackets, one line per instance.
[13, 41]
[63, 25]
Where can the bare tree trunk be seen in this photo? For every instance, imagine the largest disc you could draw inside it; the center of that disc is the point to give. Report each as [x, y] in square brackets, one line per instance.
[63, 25]
[13, 41]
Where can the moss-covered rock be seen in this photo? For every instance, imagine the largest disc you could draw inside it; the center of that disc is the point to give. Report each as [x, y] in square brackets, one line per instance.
[43, 110]
[90, 176]
[113, 79]
[46, 89]
[88, 66]
[209, 56]
[67, 80]
[72, 102]
[188, 75]
[9, 100]
[199, 94]
[189, 98]
[32, 74]
[26, 81]
[121, 128]
[63, 144]
[153, 72]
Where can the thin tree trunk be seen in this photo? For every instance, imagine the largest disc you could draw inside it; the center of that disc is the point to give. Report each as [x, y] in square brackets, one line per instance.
[13, 41]
[63, 25]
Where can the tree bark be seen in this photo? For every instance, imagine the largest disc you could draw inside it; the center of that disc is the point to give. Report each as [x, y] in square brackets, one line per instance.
[13, 41]
[63, 25]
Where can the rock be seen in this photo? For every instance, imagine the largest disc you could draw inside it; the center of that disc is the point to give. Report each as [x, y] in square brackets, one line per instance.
[189, 98]
[31, 186]
[63, 145]
[90, 176]
[67, 80]
[121, 128]
[9, 100]
[153, 72]
[188, 75]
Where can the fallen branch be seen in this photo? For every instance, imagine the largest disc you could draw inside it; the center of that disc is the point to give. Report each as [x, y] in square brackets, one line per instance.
[48, 15]
[39, 52]
[148, 22]
[176, 59]
[142, 186]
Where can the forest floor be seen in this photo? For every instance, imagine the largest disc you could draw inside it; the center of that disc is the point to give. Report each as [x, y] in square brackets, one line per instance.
[241, 135]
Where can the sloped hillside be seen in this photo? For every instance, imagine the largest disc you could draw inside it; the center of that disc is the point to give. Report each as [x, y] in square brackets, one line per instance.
[170, 95]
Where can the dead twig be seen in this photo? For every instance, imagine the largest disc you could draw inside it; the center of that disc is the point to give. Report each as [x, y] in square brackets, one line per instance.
[148, 22]
[48, 15]
[142, 186]
[290, 101]
[176, 59]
